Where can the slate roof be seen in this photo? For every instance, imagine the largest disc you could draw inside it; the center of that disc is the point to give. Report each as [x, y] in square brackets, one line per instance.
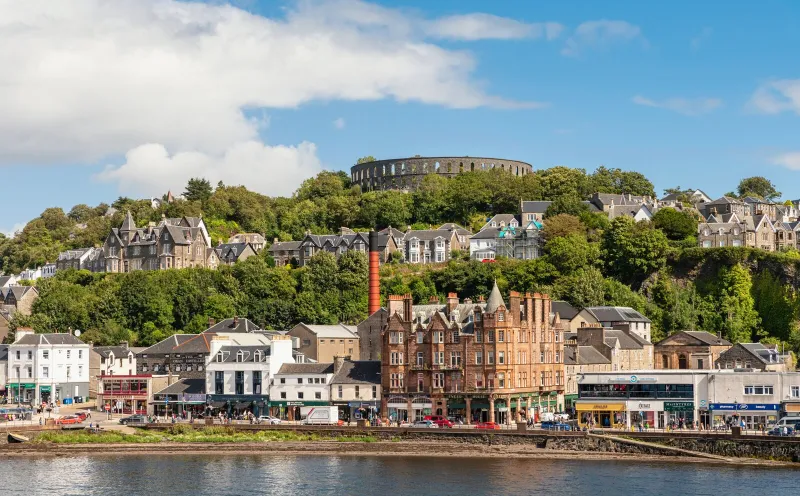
[564, 310]
[589, 355]
[626, 341]
[230, 353]
[19, 291]
[226, 325]
[231, 251]
[105, 351]
[452, 226]
[4, 280]
[535, 207]
[617, 314]
[3, 353]
[359, 372]
[708, 338]
[182, 343]
[185, 386]
[60, 338]
[487, 233]
[332, 331]
[495, 300]
[285, 246]
[397, 234]
[427, 234]
[306, 368]
[763, 353]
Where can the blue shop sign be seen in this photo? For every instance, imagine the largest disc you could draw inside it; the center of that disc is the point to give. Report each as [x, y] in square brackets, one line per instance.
[744, 407]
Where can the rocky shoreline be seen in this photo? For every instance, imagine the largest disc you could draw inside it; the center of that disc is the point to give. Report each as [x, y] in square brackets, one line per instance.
[381, 448]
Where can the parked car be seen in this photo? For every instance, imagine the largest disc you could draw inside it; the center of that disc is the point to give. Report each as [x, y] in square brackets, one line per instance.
[781, 431]
[424, 424]
[81, 415]
[133, 419]
[556, 426]
[267, 419]
[440, 420]
[68, 419]
[487, 425]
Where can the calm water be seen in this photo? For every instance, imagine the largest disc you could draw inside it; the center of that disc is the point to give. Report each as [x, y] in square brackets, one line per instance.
[198, 475]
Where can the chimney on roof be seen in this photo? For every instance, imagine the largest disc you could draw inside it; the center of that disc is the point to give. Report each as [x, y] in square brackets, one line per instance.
[211, 321]
[433, 300]
[235, 321]
[452, 302]
[408, 308]
[395, 305]
[21, 332]
[338, 361]
[123, 343]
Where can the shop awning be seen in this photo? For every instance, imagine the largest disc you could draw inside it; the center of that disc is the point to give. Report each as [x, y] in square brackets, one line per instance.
[243, 405]
[600, 407]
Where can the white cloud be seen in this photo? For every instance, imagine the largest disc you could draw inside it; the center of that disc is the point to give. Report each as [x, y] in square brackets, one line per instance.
[10, 233]
[478, 26]
[698, 40]
[339, 123]
[789, 160]
[685, 106]
[591, 34]
[274, 169]
[777, 96]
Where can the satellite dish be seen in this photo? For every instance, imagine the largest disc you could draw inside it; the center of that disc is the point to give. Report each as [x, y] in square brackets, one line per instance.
[77, 333]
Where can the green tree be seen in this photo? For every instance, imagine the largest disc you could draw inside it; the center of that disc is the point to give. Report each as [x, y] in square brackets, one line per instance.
[632, 251]
[198, 189]
[758, 186]
[584, 288]
[562, 225]
[775, 303]
[740, 321]
[570, 253]
[617, 181]
[567, 204]
[364, 160]
[676, 225]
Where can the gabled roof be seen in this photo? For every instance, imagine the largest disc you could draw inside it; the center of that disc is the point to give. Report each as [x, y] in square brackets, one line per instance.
[535, 207]
[128, 224]
[452, 226]
[182, 343]
[763, 353]
[588, 355]
[397, 234]
[106, 351]
[703, 337]
[231, 353]
[306, 368]
[626, 341]
[227, 325]
[231, 251]
[358, 372]
[428, 234]
[617, 314]
[564, 310]
[57, 339]
[19, 291]
[487, 233]
[285, 246]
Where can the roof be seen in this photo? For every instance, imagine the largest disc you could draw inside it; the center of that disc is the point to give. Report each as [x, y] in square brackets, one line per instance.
[702, 336]
[762, 352]
[60, 338]
[495, 300]
[627, 341]
[617, 314]
[230, 353]
[332, 331]
[227, 325]
[20, 291]
[427, 234]
[358, 372]
[4, 280]
[3, 352]
[285, 246]
[128, 224]
[182, 343]
[306, 368]
[589, 355]
[231, 250]
[487, 233]
[452, 226]
[185, 386]
[535, 207]
[564, 310]
[106, 351]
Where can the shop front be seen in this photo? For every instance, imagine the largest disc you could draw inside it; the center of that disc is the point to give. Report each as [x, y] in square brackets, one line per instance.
[236, 406]
[790, 408]
[479, 409]
[678, 414]
[359, 410]
[645, 414]
[606, 415]
[22, 392]
[123, 394]
[457, 408]
[185, 406]
[397, 409]
[751, 415]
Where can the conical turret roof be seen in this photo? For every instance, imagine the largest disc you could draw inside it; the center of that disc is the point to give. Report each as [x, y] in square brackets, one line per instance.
[495, 300]
[128, 225]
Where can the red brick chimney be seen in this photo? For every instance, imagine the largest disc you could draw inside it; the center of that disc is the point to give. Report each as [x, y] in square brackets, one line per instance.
[374, 275]
[452, 302]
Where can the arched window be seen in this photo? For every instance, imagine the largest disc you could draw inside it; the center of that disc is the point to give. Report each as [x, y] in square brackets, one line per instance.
[258, 356]
[240, 356]
[449, 167]
[683, 363]
[664, 361]
[472, 166]
[436, 166]
[461, 167]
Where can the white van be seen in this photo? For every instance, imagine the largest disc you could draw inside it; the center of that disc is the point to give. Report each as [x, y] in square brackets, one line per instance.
[789, 422]
[320, 415]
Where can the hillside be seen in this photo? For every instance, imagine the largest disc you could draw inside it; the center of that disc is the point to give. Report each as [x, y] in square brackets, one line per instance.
[745, 294]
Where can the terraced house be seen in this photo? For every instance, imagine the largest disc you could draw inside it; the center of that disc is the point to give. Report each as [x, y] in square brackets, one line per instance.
[478, 361]
[435, 245]
[346, 240]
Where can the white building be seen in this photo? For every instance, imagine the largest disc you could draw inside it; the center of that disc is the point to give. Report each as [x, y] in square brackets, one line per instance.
[238, 376]
[47, 367]
[48, 270]
[30, 274]
[300, 384]
[356, 388]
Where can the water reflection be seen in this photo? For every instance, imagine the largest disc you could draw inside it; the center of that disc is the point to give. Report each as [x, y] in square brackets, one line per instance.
[199, 475]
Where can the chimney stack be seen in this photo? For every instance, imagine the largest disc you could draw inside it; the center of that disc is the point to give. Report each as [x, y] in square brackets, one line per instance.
[338, 361]
[408, 305]
[211, 322]
[235, 321]
[452, 302]
[374, 275]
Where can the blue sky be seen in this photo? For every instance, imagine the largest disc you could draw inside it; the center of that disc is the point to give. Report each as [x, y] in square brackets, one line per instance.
[267, 93]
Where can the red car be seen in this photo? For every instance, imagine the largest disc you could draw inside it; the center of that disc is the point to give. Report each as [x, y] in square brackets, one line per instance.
[81, 416]
[69, 419]
[439, 420]
[487, 425]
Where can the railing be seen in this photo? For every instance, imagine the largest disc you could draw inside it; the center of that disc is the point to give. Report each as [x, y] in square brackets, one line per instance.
[637, 394]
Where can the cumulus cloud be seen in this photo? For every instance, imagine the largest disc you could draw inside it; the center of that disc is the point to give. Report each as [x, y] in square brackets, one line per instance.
[604, 32]
[478, 26]
[276, 169]
[774, 97]
[339, 123]
[685, 106]
[84, 80]
[789, 160]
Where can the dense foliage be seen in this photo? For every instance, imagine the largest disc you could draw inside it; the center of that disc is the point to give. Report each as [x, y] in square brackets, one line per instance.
[656, 268]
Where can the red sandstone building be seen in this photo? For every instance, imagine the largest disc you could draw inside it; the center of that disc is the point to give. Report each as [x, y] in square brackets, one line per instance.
[476, 361]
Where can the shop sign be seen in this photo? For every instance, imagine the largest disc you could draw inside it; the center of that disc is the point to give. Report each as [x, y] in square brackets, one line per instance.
[678, 406]
[45, 389]
[613, 407]
[645, 406]
[294, 403]
[744, 407]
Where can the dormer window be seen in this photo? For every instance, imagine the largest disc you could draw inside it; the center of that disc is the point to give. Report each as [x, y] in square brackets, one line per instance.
[258, 356]
[240, 356]
[736, 231]
[220, 358]
[706, 232]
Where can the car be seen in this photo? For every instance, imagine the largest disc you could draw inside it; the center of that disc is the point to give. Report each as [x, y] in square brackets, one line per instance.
[781, 431]
[82, 415]
[424, 424]
[268, 419]
[556, 426]
[133, 419]
[487, 425]
[439, 420]
[68, 419]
